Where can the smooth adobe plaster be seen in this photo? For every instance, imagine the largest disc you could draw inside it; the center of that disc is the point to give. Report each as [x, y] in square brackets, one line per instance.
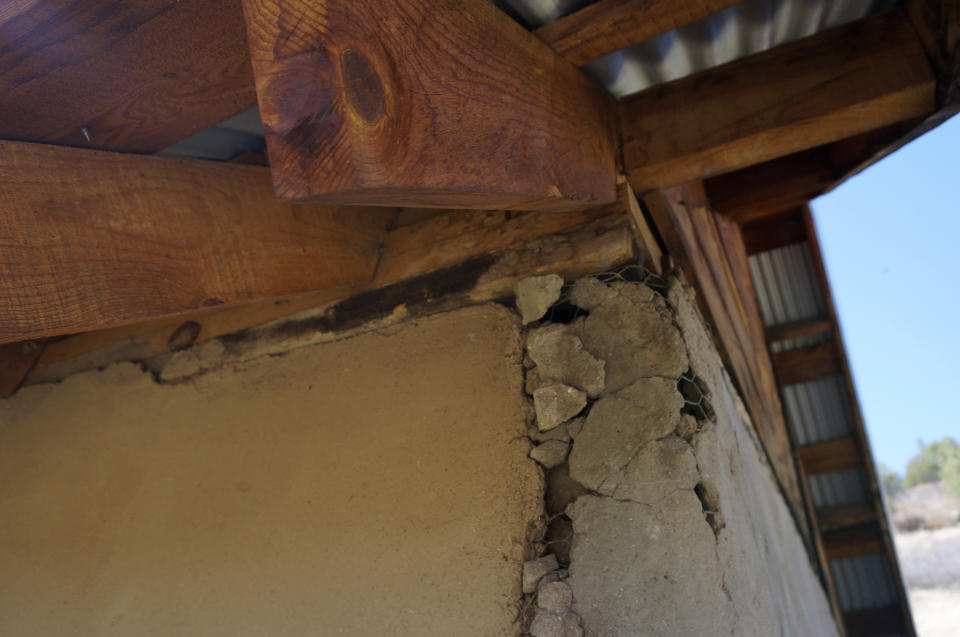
[376, 485]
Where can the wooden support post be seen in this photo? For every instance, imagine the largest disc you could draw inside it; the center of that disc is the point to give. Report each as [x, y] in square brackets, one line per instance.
[419, 103]
[94, 239]
[610, 25]
[830, 456]
[820, 89]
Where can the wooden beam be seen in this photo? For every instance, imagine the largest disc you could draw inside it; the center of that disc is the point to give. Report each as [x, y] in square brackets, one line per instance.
[133, 76]
[807, 363]
[769, 188]
[864, 539]
[810, 92]
[833, 455]
[475, 255]
[472, 112]
[709, 248]
[93, 239]
[775, 232]
[846, 514]
[876, 622]
[796, 329]
[610, 25]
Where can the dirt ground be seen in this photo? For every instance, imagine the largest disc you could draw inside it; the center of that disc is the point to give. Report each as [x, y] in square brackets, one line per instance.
[930, 560]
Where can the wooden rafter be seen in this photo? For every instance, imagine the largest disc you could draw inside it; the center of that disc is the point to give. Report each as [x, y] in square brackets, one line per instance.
[610, 25]
[132, 76]
[93, 239]
[807, 93]
[448, 104]
[807, 363]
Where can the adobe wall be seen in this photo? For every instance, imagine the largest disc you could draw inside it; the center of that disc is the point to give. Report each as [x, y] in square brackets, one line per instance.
[288, 482]
[375, 485]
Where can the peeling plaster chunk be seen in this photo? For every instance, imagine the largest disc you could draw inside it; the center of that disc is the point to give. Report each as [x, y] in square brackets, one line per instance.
[536, 294]
[552, 623]
[557, 433]
[554, 596]
[550, 453]
[535, 569]
[630, 328]
[658, 471]
[556, 404]
[560, 357]
[617, 426]
[631, 563]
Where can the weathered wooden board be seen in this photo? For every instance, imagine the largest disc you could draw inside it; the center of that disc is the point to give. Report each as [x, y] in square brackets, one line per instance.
[810, 92]
[807, 363]
[710, 248]
[610, 25]
[418, 103]
[832, 455]
[92, 239]
[482, 253]
[136, 76]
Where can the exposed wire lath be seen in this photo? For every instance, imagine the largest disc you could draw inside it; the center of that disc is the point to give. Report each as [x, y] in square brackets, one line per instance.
[850, 573]
[786, 284]
[818, 410]
[839, 487]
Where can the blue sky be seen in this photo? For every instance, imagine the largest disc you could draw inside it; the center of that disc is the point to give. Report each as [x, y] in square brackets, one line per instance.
[891, 243]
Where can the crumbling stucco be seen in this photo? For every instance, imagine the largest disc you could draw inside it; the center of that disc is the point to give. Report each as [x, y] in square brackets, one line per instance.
[666, 518]
[377, 485]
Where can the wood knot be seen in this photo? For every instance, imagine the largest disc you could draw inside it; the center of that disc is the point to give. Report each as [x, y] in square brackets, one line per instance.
[363, 86]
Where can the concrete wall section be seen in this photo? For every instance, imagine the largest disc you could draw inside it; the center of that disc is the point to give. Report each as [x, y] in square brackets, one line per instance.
[376, 485]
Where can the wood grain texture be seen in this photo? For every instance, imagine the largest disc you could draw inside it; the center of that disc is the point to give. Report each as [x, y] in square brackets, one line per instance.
[136, 76]
[807, 363]
[710, 249]
[610, 25]
[517, 245]
[427, 104]
[93, 239]
[833, 455]
[810, 92]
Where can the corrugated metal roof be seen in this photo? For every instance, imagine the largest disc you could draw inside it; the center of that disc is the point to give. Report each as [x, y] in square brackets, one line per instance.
[750, 27]
[786, 283]
[746, 28]
[840, 487]
[818, 410]
[850, 573]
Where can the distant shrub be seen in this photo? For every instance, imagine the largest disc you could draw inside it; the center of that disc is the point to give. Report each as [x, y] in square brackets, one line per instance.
[937, 461]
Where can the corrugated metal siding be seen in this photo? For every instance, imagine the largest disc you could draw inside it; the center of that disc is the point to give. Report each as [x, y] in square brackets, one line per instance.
[839, 487]
[786, 283]
[851, 573]
[746, 28]
[818, 410]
